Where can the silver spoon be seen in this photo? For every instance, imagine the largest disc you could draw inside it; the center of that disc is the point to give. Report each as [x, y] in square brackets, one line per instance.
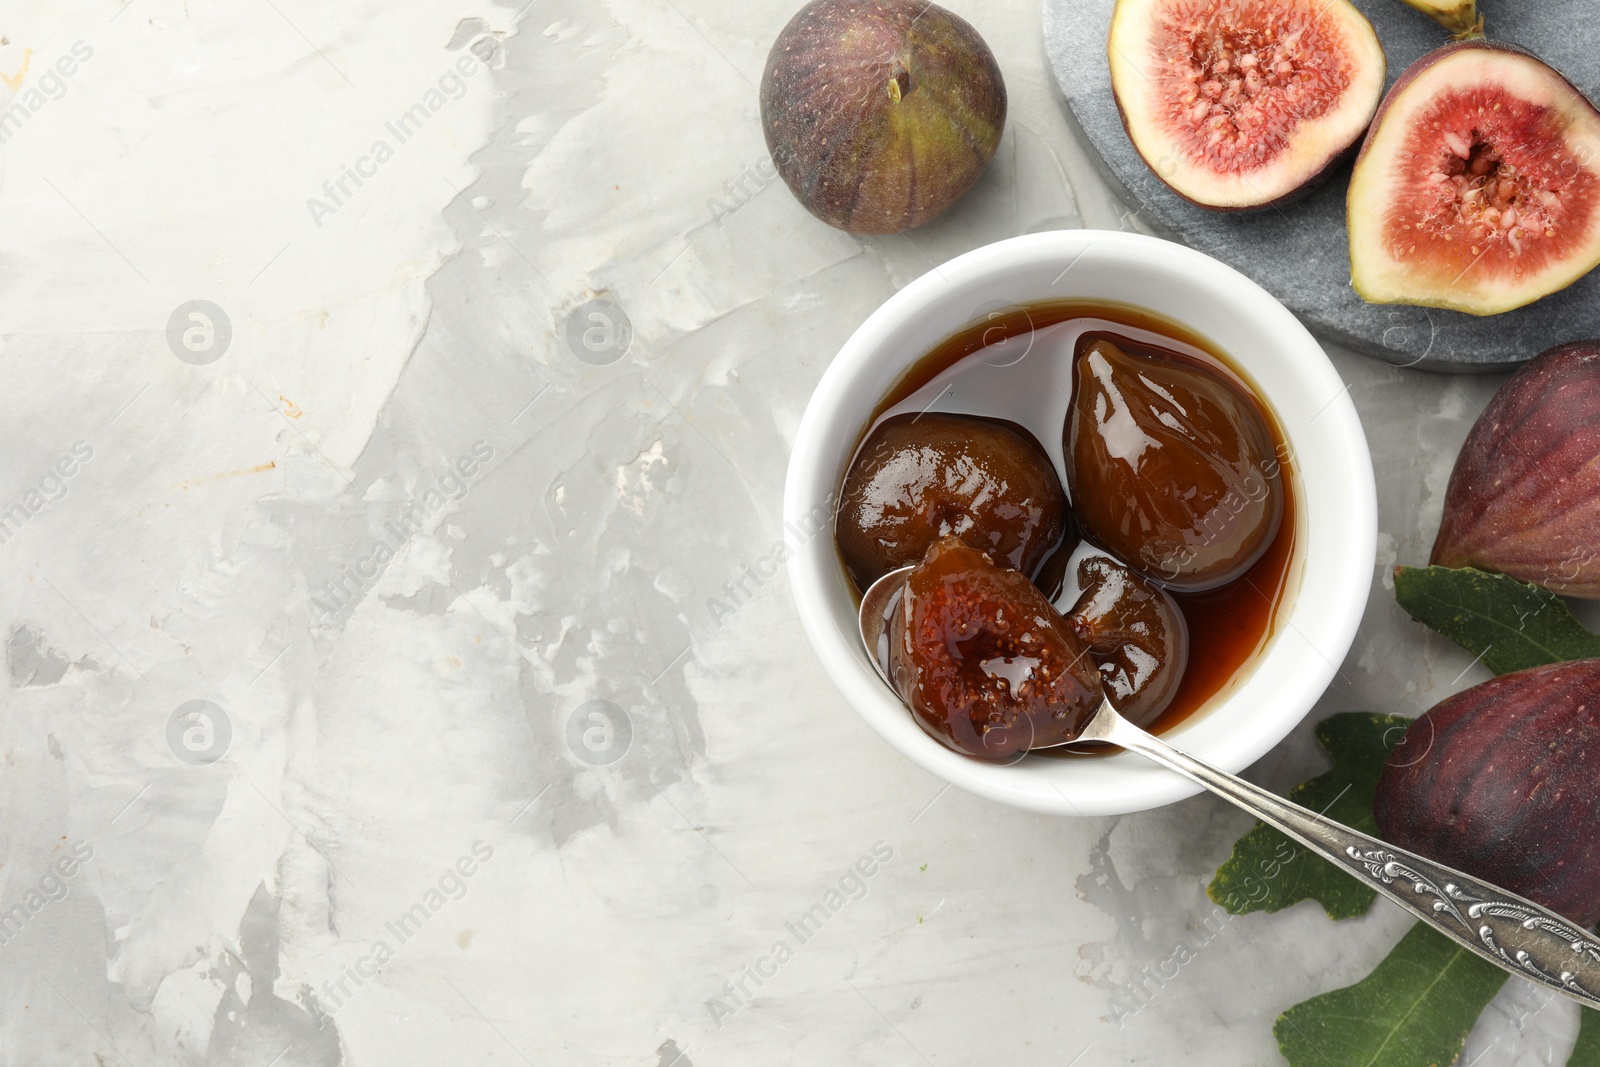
[1505, 929]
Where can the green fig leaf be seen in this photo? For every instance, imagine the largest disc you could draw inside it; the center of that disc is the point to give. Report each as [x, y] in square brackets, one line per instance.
[1510, 625]
[1416, 1008]
[1586, 1053]
[1269, 872]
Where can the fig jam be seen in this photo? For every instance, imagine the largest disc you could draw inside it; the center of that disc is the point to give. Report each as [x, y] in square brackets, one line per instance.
[1227, 624]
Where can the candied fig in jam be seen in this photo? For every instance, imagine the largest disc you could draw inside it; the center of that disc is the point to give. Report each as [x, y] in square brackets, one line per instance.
[918, 478]
[986, 664]
[1136, 633]
[1172, 467]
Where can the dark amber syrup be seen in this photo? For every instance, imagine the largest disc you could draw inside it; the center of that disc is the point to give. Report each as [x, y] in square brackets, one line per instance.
[1227, 625]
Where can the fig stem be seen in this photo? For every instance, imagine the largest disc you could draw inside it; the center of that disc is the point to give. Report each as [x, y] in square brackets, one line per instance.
[899, 81]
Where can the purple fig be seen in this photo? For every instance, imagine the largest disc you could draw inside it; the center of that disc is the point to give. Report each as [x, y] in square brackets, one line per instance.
[879, 114]
[1524, 498]
[1503, 782]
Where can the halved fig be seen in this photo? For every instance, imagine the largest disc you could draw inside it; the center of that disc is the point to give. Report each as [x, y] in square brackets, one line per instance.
[1478, 187]
[985, 662]
[1243, 103]
[1458, 16]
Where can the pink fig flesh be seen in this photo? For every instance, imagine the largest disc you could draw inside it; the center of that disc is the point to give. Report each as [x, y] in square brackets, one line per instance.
[1240, 104]
[1524, 498]
[1503, 782]
[1478, 186]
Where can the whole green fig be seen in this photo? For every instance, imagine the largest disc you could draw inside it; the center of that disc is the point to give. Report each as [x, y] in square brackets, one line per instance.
[879, 114]
[1502, 781]
[1524, 498]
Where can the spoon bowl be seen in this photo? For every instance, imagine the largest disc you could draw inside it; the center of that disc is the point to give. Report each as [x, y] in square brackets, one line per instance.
[881, 597]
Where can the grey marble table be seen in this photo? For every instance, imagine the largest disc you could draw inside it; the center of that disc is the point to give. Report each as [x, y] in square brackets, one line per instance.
[400, 394]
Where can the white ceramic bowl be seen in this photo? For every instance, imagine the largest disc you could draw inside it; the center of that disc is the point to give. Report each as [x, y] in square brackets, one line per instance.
[1336, 522]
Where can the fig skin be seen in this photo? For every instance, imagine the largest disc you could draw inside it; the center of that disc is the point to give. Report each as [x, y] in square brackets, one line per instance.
[1502, 781]
[1463, 276]
[918, 478]
[1136, 634]
[880, 114]
[1286, 159]
[1184, 488]
[1524, 497]
[986, 664]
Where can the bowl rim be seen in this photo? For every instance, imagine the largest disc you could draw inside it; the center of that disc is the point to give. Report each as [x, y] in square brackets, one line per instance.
[1345, 569]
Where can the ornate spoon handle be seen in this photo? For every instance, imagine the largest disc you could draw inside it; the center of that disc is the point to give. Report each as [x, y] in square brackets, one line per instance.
[1502, 927]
